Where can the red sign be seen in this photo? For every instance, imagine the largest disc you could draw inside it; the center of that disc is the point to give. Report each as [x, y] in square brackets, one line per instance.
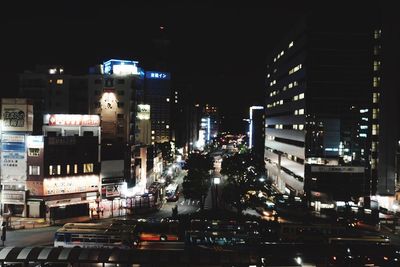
[73, 120]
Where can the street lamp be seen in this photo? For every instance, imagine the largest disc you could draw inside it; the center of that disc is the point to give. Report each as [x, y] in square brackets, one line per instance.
[216, 182]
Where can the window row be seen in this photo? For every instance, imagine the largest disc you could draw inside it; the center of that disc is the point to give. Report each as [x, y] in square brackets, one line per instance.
[70, 169]
[298, 97]
[299, 111]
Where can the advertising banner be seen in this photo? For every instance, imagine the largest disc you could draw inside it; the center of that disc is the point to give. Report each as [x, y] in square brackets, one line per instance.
[143, 112]
[17, 117]
[13, 158]
[71, 120]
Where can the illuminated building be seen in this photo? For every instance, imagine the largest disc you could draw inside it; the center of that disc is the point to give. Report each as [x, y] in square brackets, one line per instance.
[63, 177]
[157, 90]
[319, 115]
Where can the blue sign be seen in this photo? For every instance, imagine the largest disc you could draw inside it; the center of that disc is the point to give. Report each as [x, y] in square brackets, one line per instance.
[121, 67]
[157, 75]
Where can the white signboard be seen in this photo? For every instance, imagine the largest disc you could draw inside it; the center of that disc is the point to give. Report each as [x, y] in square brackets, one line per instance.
[17, 117]
[343, 169]
[71, 120]
[13, 158]
[33, 141]
[143, 112]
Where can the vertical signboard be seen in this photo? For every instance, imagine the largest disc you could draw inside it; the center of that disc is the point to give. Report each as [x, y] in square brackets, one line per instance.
[13, 158]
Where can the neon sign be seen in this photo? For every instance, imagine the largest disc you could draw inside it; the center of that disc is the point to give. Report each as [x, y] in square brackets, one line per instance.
[157, 75]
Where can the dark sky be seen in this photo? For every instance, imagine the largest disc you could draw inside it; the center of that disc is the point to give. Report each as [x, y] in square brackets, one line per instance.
[221, 50]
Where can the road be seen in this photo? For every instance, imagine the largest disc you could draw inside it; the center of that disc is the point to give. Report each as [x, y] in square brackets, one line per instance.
[44, 236]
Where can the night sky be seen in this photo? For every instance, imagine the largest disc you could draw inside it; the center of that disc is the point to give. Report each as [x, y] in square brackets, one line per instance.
[221, 50]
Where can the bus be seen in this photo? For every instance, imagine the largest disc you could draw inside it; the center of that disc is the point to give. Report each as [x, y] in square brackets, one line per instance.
[172, 192]
[95, 236]
[157, 231]
[360, 240]
[292, 232]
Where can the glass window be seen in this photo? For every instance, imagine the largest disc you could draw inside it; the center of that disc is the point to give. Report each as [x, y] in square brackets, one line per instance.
[34, 170]
[301, 127]
[52, 170]
[75, 168]
[88, 168]
[58, 169]
[301, 111]
[301, 96]
[291, 44]
[33, 152]
[60, 81]
[68, 169]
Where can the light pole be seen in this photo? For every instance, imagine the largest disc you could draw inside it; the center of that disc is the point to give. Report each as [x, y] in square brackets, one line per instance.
[216, 181]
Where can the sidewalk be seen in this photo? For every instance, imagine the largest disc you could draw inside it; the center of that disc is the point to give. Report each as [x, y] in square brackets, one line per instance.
[26, 223]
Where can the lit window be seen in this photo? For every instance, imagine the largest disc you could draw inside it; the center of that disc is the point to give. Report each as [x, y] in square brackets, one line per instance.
[34, 170]
[301, 111]
[58, 169]
[52, 71]
[375, 97]
[176, 101]
[290, 85]
[301, 96]
[298, 67]
[167, 126]
[377, 65]
[167, 99]
[376, 81]
[374, 146]
[88, 168]
[281, 102]
[33, 152]
[296, 112]
[375, 113]
[68, 169]
[295, 126]
[268, 75]
[75, 168]
[375, 129]
[52, 170]
[377, 34]
[152, 138]
[60, 81]
[176, 92]
[291, 44]
[301, 127]
[50, 81]
[296, 97]
[152, 132]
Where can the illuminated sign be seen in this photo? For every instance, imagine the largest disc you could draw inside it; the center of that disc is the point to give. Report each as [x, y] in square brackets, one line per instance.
[120, 67]
[157, 75]
[74, 184]
[143, 112]
[34, 141]
[71, 120]
[13, 158]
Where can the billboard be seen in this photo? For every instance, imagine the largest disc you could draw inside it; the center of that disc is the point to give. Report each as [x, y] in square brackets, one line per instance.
[34, 141]
[13, 158]
[17, 117]
[120, 67]
[143, 112]
[71, 120]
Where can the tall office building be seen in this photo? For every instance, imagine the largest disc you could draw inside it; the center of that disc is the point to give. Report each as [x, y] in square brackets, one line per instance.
[320, 116]
[158, 93]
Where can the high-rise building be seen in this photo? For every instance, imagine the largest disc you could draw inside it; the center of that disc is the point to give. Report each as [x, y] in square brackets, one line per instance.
[320, 116]
[158, 93]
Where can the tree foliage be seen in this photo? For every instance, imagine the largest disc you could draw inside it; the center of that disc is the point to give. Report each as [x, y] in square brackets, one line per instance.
[197, 181]
[243, 172]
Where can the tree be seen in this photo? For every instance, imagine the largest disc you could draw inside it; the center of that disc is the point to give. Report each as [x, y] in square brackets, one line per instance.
[243, 172]
[197, 181]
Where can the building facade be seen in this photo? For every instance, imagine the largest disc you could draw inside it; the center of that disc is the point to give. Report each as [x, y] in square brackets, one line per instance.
[319, 110]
